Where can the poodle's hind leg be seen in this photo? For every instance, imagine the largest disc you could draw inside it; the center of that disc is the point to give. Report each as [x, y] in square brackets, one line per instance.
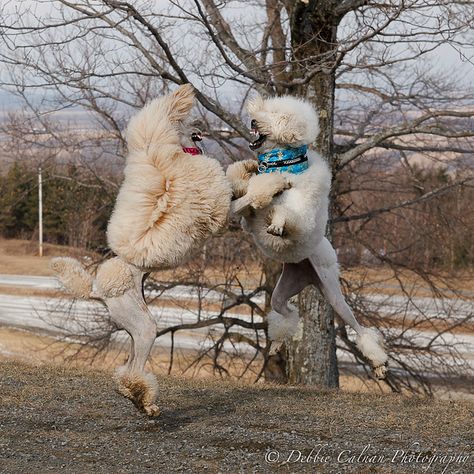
[283, 319]
[369, 342]
[279, 218]
[121, 286]
[132, 314]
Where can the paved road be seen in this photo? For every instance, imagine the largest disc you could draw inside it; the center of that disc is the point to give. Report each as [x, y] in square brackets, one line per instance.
[67, 316]
[442, 308]
[27, 281]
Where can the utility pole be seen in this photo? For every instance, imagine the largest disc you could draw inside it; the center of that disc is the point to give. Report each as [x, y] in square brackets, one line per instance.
[40, 211]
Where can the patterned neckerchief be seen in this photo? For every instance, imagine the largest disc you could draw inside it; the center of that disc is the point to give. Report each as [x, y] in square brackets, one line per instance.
[283, 160]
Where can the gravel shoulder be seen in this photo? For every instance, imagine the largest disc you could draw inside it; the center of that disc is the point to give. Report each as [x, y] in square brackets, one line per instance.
[57, 419]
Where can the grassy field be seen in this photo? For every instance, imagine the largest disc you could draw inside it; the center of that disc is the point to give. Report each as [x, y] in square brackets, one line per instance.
[33, 348]
[21, 256]
[54, 419]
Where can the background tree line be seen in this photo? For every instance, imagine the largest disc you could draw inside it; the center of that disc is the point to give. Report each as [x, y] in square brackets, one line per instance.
[75, 208]
[437, 233]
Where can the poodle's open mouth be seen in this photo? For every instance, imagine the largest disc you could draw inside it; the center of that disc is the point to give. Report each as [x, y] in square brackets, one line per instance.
[196, 137]
[259, 137]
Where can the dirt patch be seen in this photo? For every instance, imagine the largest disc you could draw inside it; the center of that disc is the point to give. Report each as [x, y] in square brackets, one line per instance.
[55, 419]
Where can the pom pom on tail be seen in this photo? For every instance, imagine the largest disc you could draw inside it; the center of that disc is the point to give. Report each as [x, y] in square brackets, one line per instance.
[72, 275]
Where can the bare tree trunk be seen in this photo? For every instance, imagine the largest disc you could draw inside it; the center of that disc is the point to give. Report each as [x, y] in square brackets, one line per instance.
[312, 357]
[275, 366]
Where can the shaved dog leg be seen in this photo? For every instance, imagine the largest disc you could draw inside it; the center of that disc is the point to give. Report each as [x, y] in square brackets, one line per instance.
[369, 342]
[283, 318]
[328, 278]
[293, 279]
[130, 312]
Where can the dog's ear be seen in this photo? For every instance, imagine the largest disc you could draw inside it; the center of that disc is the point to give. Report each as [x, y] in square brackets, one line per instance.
[255, 105]
[288, 129]
[181, 102]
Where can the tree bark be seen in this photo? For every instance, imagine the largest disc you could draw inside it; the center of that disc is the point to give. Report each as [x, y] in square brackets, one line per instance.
[275, 365]
[311, 357]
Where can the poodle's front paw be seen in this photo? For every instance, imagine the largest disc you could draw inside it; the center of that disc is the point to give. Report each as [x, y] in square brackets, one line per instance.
[239, 174]
[263, 187]
[275, 230]
[380, 372]
[151, 410]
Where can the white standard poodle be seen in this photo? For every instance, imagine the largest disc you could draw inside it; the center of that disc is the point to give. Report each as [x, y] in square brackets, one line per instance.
[290, 226]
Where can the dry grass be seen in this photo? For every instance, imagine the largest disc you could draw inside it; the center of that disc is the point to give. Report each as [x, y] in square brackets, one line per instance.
[71, 420]
[21, 256]
[382, 280]
[29, 347]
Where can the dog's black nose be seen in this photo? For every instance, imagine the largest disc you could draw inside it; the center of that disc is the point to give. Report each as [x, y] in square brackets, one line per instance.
[253, 124]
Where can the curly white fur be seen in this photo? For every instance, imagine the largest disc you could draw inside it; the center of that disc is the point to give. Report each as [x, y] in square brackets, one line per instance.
[114, 278]
[285, 120]
[287, 226]
[169, 204]
[141, 388]
[300, 214]
[370, 343]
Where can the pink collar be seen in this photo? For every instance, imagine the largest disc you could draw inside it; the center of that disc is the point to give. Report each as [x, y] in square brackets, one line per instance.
[192, 150]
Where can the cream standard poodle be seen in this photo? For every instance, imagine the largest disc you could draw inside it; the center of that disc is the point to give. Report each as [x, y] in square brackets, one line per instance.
[290, 226]
[172, 199]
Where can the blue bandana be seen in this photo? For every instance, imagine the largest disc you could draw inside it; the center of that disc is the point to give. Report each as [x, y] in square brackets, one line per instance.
[283, 160]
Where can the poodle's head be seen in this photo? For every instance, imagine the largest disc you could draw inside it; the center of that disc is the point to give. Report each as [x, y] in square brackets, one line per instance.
[190, 138]
[180, 103]
[282, 121]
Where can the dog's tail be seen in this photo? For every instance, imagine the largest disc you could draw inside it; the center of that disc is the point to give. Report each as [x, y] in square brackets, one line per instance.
[113, 278]
[157, 122]
[72, 275]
